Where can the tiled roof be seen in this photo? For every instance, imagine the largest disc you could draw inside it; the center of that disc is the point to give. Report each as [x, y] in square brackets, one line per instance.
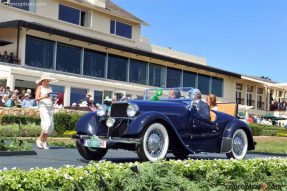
[118, 11]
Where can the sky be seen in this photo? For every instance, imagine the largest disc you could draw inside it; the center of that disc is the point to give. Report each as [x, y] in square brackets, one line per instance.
[242, 36]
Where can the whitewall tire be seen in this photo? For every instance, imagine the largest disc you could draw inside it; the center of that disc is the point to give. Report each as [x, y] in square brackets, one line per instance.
[154, 144]
[239, 145]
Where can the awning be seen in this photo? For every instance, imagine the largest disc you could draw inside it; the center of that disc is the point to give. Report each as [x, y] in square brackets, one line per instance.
[4, 42]
[279, 118]
[269, 116]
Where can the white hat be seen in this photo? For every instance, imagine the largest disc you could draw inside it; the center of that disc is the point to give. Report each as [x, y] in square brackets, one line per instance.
[45, 77]
[26, 94]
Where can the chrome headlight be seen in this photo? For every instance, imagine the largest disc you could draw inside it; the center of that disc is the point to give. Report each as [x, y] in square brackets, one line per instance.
[132, 110]
[102, 109]
[110, 122]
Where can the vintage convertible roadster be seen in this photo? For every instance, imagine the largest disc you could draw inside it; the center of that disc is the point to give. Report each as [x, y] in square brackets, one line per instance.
[157, 125]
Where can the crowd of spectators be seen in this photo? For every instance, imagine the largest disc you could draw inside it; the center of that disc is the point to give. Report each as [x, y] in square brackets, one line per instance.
[11, 58]
[16, 98]
[280, 105]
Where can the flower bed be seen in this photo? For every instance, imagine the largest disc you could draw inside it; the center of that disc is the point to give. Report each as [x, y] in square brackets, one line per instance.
[165, 175]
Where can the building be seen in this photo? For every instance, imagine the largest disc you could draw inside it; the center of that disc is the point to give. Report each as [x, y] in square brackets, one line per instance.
[96, 46]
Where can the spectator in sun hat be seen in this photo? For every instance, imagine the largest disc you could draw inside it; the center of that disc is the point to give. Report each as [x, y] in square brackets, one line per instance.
[108, 102]
[27, 102]
[46, 109]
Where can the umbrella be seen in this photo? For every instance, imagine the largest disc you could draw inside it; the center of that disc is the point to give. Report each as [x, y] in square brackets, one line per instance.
[4, 42]
[278, 118]
[269, 116]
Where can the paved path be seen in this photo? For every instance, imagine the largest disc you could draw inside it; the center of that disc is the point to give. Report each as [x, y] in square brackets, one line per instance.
[57, 157]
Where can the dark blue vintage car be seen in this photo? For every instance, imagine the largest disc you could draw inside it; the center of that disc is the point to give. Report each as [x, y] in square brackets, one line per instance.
[159, 124]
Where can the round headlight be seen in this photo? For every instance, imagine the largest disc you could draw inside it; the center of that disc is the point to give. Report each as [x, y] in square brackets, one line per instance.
[110, 122]
[102, 109]
[132, 110]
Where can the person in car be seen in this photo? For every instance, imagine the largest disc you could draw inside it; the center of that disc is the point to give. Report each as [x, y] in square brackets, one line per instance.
[174, 93]
[211, 101]
[202, 107]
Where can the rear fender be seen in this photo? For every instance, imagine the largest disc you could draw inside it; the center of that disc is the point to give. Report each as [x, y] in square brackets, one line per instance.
[231, 127]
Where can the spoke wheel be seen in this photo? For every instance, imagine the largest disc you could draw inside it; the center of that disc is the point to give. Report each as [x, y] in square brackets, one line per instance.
[154, 144]
[239, 145]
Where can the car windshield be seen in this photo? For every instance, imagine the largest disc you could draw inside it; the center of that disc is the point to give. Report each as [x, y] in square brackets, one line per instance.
[156, 94]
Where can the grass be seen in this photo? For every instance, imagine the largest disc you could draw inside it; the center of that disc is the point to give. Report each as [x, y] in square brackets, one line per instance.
[270, 144]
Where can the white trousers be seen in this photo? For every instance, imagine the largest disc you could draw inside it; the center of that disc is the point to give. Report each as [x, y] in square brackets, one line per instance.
[47, 119]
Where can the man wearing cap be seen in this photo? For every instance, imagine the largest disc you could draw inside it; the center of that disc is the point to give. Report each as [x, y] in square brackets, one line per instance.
[27, 102]
[201, 106]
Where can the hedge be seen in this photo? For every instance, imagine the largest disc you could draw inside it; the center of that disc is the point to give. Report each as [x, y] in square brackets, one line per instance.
[62, 121]
[170, 175]
[265, 130]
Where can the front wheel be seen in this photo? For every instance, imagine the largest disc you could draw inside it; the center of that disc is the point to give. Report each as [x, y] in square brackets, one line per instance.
[90, 154]
[154, 144]
[239, 145]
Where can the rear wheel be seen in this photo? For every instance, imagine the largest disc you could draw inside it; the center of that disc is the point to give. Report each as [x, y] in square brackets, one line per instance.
[90, 154]
[154, 144]
[239, 145]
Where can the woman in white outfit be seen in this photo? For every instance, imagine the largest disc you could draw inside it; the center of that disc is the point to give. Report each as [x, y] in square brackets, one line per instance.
[46, 109]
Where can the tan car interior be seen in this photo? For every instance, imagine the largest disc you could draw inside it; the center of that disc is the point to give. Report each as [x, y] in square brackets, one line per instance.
[228, 108]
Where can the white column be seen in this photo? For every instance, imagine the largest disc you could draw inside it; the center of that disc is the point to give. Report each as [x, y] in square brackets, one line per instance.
[256, 98]
[11, 82]
[267, 99]
[67, 95]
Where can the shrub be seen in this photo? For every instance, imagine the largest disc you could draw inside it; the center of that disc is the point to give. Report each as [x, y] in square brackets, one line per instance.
[162, 175]
[65, 121]
[16, 119]
[29, 130]
[264, 130]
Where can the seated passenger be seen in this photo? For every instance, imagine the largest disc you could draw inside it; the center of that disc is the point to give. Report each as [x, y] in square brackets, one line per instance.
[201, 106]
[174, 93]
[211, 101]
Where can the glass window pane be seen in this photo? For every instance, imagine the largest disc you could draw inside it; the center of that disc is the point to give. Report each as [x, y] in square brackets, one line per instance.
[20, 4]
[138, 72]
[117, 68]
[94, 63]
[123, 30]
[39, 53]
[217, 86]
[98, 97]
[203, 83]
[112, 28]
[57, 88]
[173, 78]
[189, 79]
[69, 14]
[108, 93]
[68, 58]
[77, 95]
[157, 75]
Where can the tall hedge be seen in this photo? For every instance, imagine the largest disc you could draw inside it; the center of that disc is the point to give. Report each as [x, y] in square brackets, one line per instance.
[265, 130]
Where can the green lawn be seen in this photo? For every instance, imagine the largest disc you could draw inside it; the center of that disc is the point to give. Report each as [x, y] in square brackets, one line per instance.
[271, 144]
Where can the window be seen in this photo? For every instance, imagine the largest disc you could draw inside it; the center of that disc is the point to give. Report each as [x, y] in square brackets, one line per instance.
[138, 72]
[94, 63]
[121, 29]
[260, 91]
[39, 52]
[260, 103]
[117, 68]
[77, 95]
[189, 79]
[249, 88]
[68, 58]
[108, 93]
[173, 78]
[98, 96]
[57, 88]
[203, 83]
[238, 86]
[157, 75]
[71, 15]
[217, 86]
[249, 99]
[239, 100]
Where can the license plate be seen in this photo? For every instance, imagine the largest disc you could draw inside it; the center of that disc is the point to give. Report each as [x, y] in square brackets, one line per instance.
[95, 142]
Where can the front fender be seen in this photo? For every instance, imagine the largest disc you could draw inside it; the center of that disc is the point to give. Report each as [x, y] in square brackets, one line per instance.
[227, 135]
[88, 123]
[138, 125]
